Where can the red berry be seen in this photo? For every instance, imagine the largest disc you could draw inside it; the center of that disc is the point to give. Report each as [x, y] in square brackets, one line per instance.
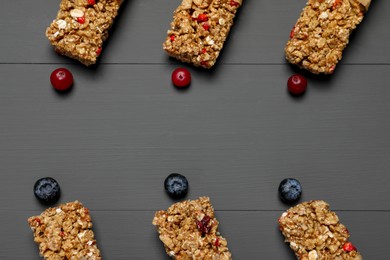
[206, 26]
[216, 243]
[204, 63]
[204, 225]
[181, 77]
[81, 19]
[297, 84]
[172, 37]
[98, 51]
[61, 79]
[234, 3]
[292, 32]
[348, 247]
[204, 50]
[202, 18]
[91, 2]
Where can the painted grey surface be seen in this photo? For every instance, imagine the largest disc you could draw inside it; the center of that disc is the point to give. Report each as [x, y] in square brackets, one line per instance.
[235, 133]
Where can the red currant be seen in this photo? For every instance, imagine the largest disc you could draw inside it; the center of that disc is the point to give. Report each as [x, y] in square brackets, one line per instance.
[297, 84]
[181, 77]
[61, 79]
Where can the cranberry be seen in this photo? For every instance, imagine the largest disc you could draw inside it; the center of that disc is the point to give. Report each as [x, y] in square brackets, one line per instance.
[202, 18]
[61, 79]
[292, 32]
[81, 19]
[204, 63]
[204, 50]
[348, 247]
[91, 2]
[181, 77]
[216, 243]
[297, 84]
[172, 37]
[206, 26]
[204, 225]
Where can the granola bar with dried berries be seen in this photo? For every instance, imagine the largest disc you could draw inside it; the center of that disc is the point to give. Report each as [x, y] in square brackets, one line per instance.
[315, 232]
[199, 30]
[65, 232]
[322, 32]
[188, 230]
[81, 27]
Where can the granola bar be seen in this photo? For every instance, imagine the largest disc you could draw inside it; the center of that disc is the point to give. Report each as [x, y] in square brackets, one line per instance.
[65, 232]
[199, 30]
[322, 32]
[189, 231]
[81, 27]
[315, 232]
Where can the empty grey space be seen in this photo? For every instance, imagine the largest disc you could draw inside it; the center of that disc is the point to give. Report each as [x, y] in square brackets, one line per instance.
[235, 133]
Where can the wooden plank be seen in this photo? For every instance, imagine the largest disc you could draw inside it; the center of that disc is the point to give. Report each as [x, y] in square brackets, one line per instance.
[251, 235]
[235, 134]
[258, 36]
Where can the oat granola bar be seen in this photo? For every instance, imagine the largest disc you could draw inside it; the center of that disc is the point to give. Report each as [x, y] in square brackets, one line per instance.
[322, 32]
[315, 232]
[81, 27]
[199, 30]
[65, 232]
[189, 231]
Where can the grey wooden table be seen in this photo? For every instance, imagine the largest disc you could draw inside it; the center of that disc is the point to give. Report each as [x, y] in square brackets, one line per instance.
[236, 133]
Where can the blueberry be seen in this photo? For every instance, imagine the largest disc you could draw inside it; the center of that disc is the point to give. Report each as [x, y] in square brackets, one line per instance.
[290, 190]
[47, 190]
[176, 185]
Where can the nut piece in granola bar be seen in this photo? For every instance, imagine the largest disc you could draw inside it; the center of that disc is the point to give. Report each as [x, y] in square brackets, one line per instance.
[322, 32]
[199, 30]
[315, 232]
[81, 28]
[65, 232]
[188, 230]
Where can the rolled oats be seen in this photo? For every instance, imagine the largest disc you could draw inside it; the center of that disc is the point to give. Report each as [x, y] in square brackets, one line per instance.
[199, 30]
[65, 232]
[80, 28]
[315, 233]
[322, 32]
[189, 231]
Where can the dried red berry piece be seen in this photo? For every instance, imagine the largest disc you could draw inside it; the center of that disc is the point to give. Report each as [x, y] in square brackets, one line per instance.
[206, 26]
[172, 37]
[81, 20]
[204, 63]
[204, 50]
[292, 32]
[202, 18]
[91, 2]
[181, 77]
[98, 51]
[297, 84]
[61, 79]
[204, 225]
[348, 247]
[234, 3]
[216, 243]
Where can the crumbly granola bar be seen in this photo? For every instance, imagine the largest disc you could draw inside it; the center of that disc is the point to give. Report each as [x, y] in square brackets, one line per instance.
[65, 232]
[199, 30]
[81, 27]
[322, 32]
[315, 232]
[189, 231]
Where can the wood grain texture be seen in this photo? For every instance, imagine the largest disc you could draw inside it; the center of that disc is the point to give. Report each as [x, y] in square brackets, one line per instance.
[130, 234]
[235, 134]
[259, 34]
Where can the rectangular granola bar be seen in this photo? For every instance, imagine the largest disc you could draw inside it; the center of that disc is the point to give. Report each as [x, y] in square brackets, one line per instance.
[322, 32]
[81, 27]
[65, 232]
[199, 30]
[315, 232]
[189, 231]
